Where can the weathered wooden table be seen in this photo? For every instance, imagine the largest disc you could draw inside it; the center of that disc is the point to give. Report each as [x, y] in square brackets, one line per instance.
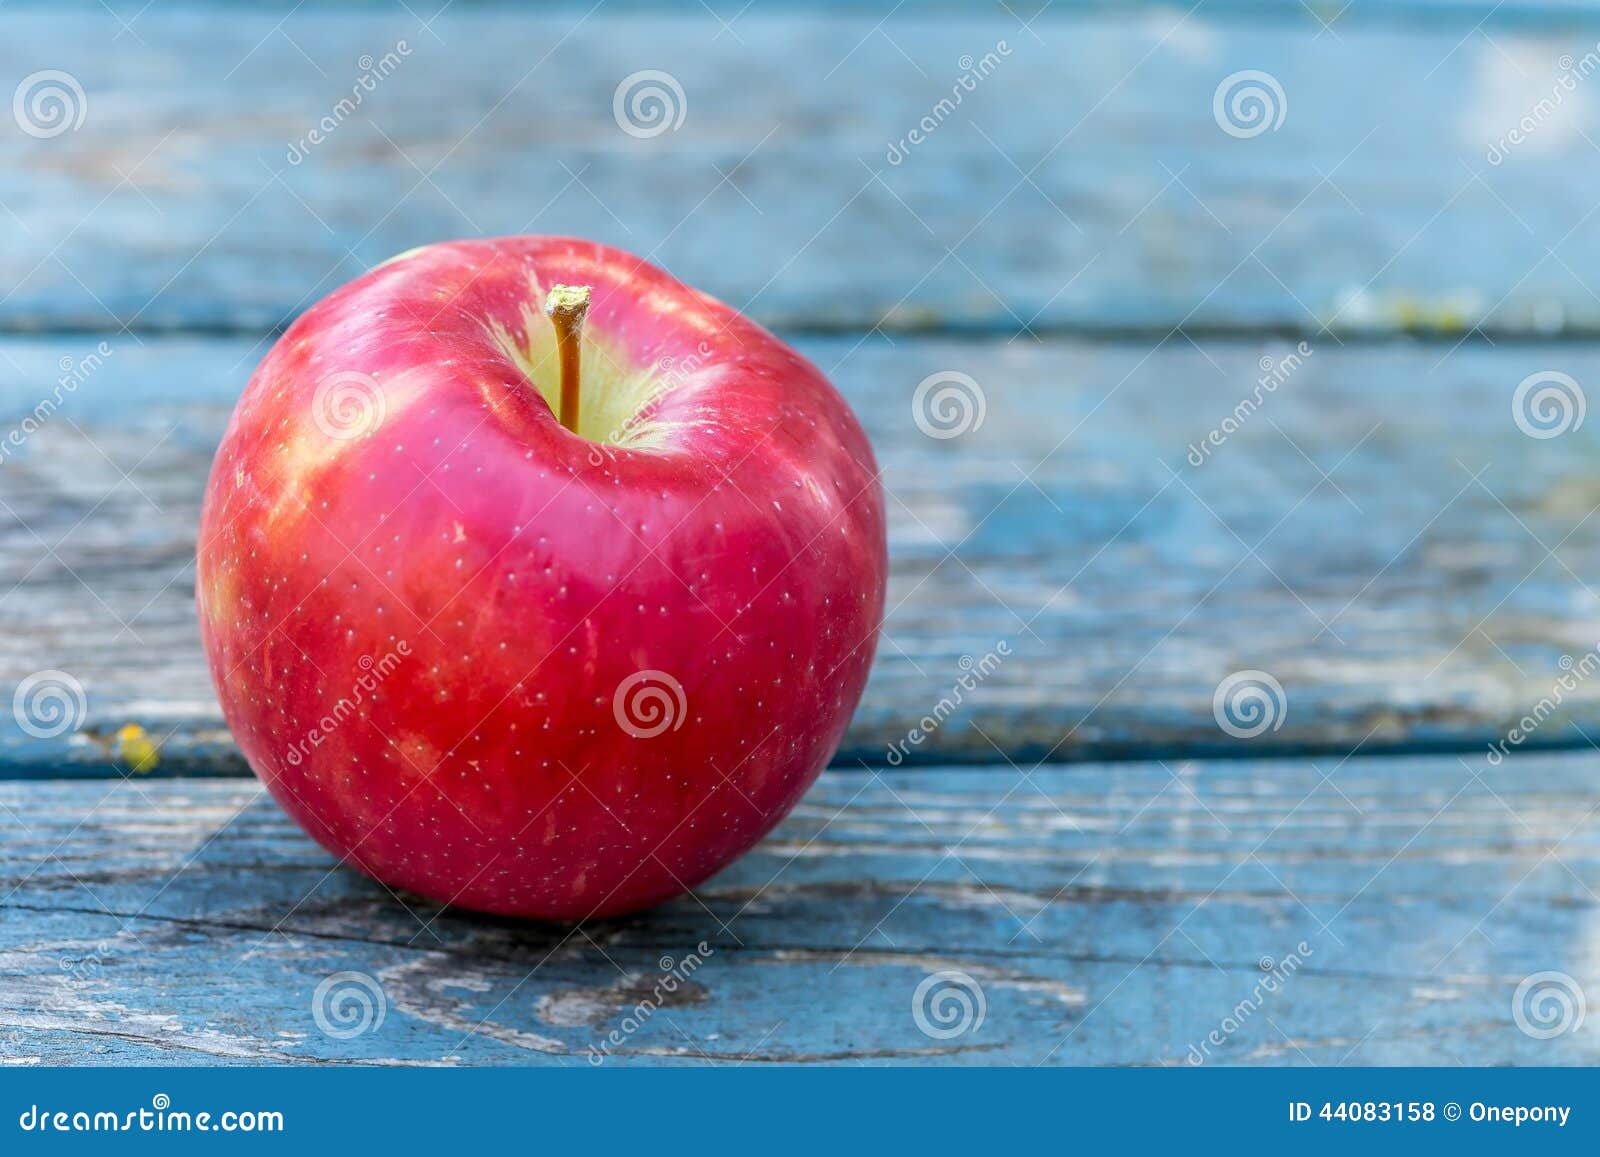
[1090, 860]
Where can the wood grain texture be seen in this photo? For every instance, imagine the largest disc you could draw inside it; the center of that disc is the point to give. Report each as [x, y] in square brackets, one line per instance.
[1082, 185]
[1425, 593]
[1109, 914]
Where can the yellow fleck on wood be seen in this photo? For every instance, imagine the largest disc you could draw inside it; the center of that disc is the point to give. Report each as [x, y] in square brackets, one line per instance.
[135, 748]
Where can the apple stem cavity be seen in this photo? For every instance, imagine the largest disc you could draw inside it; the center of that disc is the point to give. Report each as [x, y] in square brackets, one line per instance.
[566, 306]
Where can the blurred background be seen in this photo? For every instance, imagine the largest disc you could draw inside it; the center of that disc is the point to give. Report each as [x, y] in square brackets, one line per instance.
[1227, 365]
[1111, 223]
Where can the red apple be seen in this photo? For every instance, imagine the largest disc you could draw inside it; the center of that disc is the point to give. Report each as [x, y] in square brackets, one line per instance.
[514, 666]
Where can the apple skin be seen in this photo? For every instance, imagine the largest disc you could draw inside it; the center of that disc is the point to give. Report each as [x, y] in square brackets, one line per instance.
[427, 632]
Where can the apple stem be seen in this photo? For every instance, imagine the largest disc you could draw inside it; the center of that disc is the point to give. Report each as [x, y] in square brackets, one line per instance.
[567, 306]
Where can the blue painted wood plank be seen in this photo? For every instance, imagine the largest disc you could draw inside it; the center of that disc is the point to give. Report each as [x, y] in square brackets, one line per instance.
[1100, 196]
[1363, 912]
[1428, 592]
